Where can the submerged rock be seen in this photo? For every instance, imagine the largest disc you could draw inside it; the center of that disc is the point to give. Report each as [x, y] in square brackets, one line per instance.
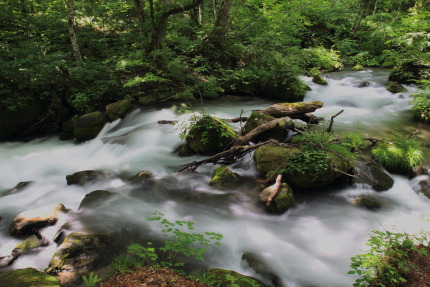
[142, 177]
[94, 197]
[258, 118]
[209, 136]
[318, 79]
[85, 176]
[223, 178]
[260, 265]
[423, 187]
[29, 243]
[230, 278]
[88, 126]
[28, 222]
[28, 277]
[361, 84]
[366, 202]
[118, 109]
[396, 88]
[78, 255]
[283, 200]
[372, 174]
[19, 187]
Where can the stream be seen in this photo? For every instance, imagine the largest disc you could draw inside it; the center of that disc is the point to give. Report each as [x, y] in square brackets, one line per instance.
[308, 246]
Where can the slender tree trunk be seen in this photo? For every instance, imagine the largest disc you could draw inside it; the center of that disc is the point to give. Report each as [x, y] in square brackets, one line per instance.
[139, 11]
[361, 14]
[72, 33]
[222, 18]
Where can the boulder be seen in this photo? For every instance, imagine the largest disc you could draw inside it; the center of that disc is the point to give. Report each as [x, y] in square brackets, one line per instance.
[209, 136]
[366, 202]
[423, 187]
[293, 90]
[283, 200]
[262, 267]
[88, 126]
[361, 84]
[78, 255]
[28, 277]
[372, 174]
[118, 109]
[28, 222]
[85, 176]
[409, 72]
[358, 67]
[19, 187]
[230, 278]
[223, 178]
[318, 79]
[29, 243]
[258, 118]
[271, 160]
[143, 177]
[396, 88]
[94, 197]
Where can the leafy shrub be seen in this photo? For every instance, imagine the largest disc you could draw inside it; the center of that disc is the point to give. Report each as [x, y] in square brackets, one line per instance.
[399, 156]
[421, 106]
[386, 262]
[323, 59]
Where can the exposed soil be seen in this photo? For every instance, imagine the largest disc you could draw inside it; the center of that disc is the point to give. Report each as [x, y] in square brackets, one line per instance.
[149, 277]
[421, 276]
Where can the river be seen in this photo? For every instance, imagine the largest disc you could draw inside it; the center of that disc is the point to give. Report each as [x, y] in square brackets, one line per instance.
[310, 245]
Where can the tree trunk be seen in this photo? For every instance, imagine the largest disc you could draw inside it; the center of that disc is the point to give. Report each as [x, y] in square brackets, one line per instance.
[364, 5]
[139, 11]
[72, 33]
[222, 18]
[292, 110]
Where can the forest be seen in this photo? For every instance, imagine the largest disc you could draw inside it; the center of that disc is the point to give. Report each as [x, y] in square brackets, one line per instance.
[83, 83]
[63, 59]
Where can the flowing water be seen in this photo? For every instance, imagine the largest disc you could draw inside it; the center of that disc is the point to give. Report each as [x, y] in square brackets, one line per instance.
[310, 245]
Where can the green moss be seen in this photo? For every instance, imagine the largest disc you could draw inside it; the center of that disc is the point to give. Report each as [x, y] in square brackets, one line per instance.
[229, 278]
[258, 118]
[223, 178]
[358, 67]
[283, 201]
[269, 160]
[88, 126]
[118, 109]
[318, 79]
[396, 88]
[30, 243]
[367, 202]
[28, 277]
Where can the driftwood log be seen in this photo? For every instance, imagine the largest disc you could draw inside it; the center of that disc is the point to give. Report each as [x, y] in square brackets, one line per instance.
[292, 110]
[275, 190]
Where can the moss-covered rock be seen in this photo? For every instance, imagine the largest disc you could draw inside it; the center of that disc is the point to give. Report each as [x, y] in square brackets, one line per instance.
[396, 88]
[367, 202]
[223, 178]
[409, 73]
[258, 118]
[371, 174]
[209, 136]
[78, 255]
[142, 177]
[291, 90]
[26, 222]
[89, 125]
[29, 243]
[358, 67]
[318, 79]
[147, 100]
[94, 197]
[118, 109]
[230, 278]
[283, 200]
[28, 277]
[85, 176]
[269, 160]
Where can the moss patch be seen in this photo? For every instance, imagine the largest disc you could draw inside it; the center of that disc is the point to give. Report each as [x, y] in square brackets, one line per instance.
[223, 178]
[28, 277]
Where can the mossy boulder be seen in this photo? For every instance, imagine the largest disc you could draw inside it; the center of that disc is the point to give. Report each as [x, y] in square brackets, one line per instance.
[230, 278]
[78, 255]
[26, 222]
[288, 90]
[223, 178]
[147, 100]
[94, 197]
[396, 88]
[258, 118]
[28, 277]
[358, 67]
[142, 177]
[88, 126]
[118, 109]
[318, 79]
[84, 177]
[283, 200]
[366, 202]
[371, 174]
[29, 243]
[209, 136]
[261, 265]
[409, 72]
[271, 160]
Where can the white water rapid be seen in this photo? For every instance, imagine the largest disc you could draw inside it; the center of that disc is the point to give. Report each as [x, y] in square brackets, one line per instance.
[310, 245]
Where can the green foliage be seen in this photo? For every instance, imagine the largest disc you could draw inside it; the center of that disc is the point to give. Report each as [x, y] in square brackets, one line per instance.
[421, 106]
[386, 262]
[399, 156]
[323, 59]
[91, 280]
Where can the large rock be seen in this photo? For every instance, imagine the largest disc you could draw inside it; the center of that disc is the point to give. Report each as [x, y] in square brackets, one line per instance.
[258, 118]
[28, 222]
[396, 88]
[318, 79]
[85, 176]
[292, 90]
[223, 178]
[95, 197]
[118, 109]
[366, 202]
[28, 277]
[372, 174]
[88, 126]
[283, 200]
[230, 278]
[209, 136]
[272, 160]
[261, 266]
[409, 73]
[78, 255]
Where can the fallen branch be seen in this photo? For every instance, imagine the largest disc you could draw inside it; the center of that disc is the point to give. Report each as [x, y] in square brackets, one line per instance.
[275, 190]
[292, 110]
[227, 157]
[236, 120]
[330, 126]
